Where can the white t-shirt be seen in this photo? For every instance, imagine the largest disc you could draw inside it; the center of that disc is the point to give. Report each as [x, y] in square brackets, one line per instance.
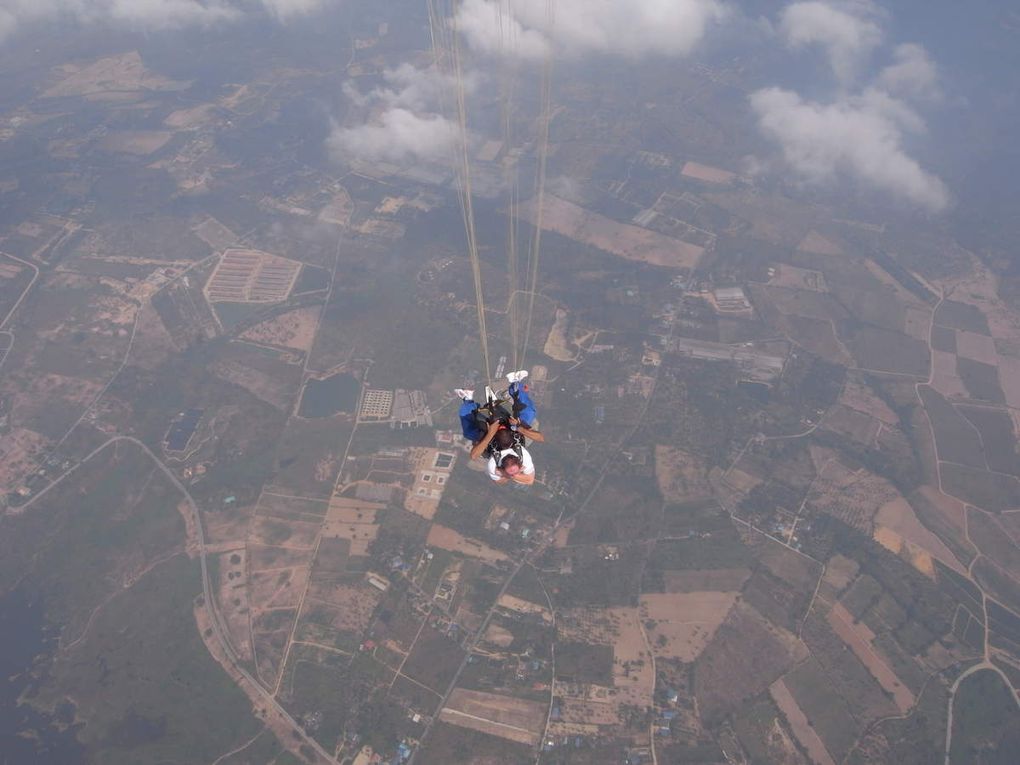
[527, 464]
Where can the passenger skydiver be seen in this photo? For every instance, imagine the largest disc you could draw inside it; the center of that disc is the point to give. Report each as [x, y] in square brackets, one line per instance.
[498, 430]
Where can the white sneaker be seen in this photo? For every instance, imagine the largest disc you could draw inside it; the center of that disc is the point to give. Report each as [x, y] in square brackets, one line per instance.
[516, 377]
[466, 395]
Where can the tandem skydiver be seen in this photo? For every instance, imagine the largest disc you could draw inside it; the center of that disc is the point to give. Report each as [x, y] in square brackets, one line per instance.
[499, 428]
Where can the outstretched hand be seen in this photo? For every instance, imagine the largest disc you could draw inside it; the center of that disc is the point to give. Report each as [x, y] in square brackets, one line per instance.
[494, 426]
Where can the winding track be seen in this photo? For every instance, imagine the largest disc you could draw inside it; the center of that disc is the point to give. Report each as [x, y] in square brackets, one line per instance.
[218, 626]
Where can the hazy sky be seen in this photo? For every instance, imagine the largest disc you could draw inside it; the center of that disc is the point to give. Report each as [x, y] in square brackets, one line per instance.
[865, 119]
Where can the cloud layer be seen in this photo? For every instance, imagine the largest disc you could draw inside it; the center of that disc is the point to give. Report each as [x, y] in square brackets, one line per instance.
[860, 137]
[407, 127]
[860, 132]
[632, 28]
[848, 32]
[146, 14]
[399, 135]
[912, 74]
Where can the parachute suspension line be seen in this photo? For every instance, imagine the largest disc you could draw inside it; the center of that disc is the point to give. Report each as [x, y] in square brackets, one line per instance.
[509, 58]
[539, 199]
[467, 199]
[449, 42]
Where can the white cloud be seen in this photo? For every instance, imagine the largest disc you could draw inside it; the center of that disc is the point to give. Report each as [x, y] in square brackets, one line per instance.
[632, 28]
[860, 137]
[912, 73]
[287, 9]
[161, 14]
[410, 87]
[490, 27]
[147, 14]
[848, 31]
[407, 126]
[399, 135]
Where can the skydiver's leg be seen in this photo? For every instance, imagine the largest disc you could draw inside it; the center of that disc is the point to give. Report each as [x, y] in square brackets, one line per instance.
[469, 424]
[523, 405]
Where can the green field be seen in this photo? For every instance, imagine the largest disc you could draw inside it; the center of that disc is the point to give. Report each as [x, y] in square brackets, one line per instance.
[104, 552]
[986, 722]
[144, 682]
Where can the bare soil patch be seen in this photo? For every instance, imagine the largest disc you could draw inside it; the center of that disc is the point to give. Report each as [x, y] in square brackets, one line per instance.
[448, 539]
[707, 173]
[859, 638]
[291, 534]
[498, 715]
[19, 449]
[276, 589]
[684, 623]
[899, 517]
[798, 278]
[819, 245]
[626, 241]
[261, 557]
[345, 607]
[521, 606]
[1009, 380]
[112, 74]
[620, 627]
[353, 520]
[294, 329]
[557, 345]
[192, 117]
[945, 376]
[976, 346]
[138, 142]
[215, 234]
[800, 725]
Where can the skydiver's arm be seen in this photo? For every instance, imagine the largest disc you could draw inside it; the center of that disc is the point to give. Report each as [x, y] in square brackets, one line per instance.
[479, 449]
[527, 432]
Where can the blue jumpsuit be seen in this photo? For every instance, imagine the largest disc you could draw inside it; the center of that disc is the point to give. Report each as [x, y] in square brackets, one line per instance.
[474, 432]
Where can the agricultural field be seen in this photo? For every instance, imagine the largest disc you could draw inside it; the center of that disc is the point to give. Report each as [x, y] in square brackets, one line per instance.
[775, 516]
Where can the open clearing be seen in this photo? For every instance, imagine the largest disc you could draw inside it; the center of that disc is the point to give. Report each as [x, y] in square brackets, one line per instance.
[819, 245]
[857, 395]
[802, 729]
[798, 278]
[504, 716]
[620, 239]
[137, 142]
[557, 346]
[681, 475]
[899, 517]
[448, 539]
[620, 627]
[707, 173]
[684, 622]
[521, 606]
[113, 74]
[859, 638]
[715, 580]
[294, 329]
